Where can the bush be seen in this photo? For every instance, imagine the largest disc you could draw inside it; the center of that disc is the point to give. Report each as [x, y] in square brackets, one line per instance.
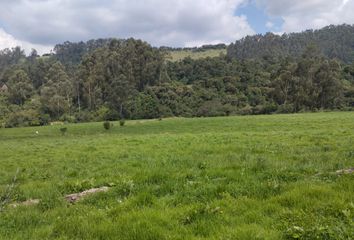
[25, 118]
[112, 115]
[247, 110]
[83, 116]
[122, 122]
[286, 108]
[264, 109]
[107, 125]
[102, 114]
[67, 118]
[44, 119]
[211, 109]
[165, 111]
[63, 130]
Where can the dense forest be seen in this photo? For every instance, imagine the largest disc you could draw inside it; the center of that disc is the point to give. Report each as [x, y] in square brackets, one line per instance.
[109, 79]
[335, 42]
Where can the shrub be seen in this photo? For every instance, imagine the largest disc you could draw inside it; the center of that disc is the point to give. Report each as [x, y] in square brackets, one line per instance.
[247, 110]
[63, 130]
[44, 119]
[24, 118]
[83, 116]
[286, 108]
[122, 122]
[211, 109]
[67, 118]
[103, 113]
[268, 108]
[107, 125]
[228, 109]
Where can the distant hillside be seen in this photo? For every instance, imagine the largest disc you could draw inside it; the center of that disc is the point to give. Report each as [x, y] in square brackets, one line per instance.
[178, 54]
[182, 54]
[111, 79]
[71, 53]
[333, 41]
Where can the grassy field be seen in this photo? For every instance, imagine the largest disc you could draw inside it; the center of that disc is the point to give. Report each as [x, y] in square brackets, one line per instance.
[252, 177]
[180, 55]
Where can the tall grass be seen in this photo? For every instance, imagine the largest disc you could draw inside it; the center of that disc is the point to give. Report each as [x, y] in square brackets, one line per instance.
[252, 177]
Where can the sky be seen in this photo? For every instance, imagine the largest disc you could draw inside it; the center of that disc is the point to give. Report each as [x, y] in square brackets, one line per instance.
[41, 24]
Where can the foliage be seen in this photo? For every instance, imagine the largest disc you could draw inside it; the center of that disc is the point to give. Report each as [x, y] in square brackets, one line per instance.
[107, 125]
[56, 93]
[25, 117]
[20, 87]
[63, 130]
[335, 42]
[111, 79]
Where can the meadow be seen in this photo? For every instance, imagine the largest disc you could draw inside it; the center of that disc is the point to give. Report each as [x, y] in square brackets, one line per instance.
[176, 56]
[242, 177]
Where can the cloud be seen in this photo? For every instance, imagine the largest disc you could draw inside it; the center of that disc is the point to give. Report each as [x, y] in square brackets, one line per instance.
[299, 15]
[8, 41]
[269, 24]
[160, 22]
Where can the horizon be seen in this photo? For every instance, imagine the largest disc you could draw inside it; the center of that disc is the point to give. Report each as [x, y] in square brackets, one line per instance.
[179, 24]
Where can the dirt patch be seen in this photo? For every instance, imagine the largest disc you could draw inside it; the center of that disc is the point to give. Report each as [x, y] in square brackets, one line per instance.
[30, 202]
[77, 196]
[70, 198]
[345, 171]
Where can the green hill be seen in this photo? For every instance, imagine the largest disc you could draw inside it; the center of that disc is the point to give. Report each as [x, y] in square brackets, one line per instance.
[333, 42]
[182, 54]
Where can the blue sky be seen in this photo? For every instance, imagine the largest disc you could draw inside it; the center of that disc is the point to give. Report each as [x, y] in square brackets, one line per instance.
[258, 19]
[176, 23]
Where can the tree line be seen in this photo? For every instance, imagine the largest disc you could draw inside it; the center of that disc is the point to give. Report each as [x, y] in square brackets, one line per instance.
[335, 42]
[110, 79]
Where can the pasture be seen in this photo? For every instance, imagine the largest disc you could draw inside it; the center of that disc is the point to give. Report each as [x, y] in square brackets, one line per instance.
[242, 177]
[176, 56]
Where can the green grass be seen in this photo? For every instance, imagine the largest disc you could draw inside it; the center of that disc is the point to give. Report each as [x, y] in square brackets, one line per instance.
[252, 177]
[180, 55]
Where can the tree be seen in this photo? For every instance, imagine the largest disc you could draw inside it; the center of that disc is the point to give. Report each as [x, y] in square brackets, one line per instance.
[20, 87]
[90, 79]
[329, 85]
[283, 82]
[56, 93]
[115, 73]
[4, 108]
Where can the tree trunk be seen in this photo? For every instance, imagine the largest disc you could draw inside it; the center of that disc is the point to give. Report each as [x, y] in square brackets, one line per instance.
[121, 111]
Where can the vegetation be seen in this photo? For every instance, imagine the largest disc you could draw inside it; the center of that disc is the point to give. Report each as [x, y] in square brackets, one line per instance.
[176, 56]
[251, 177]
[334, 42]
[111, 79]
[63, 130]
[107, 125]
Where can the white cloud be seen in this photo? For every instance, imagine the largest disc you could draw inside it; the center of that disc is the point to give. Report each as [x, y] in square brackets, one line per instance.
[160, 22]
[8, 41]
[269, 25]
[299, 15]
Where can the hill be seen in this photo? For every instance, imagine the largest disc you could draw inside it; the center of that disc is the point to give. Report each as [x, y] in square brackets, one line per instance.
[179, 55]
[110, 79]
[333, 41]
